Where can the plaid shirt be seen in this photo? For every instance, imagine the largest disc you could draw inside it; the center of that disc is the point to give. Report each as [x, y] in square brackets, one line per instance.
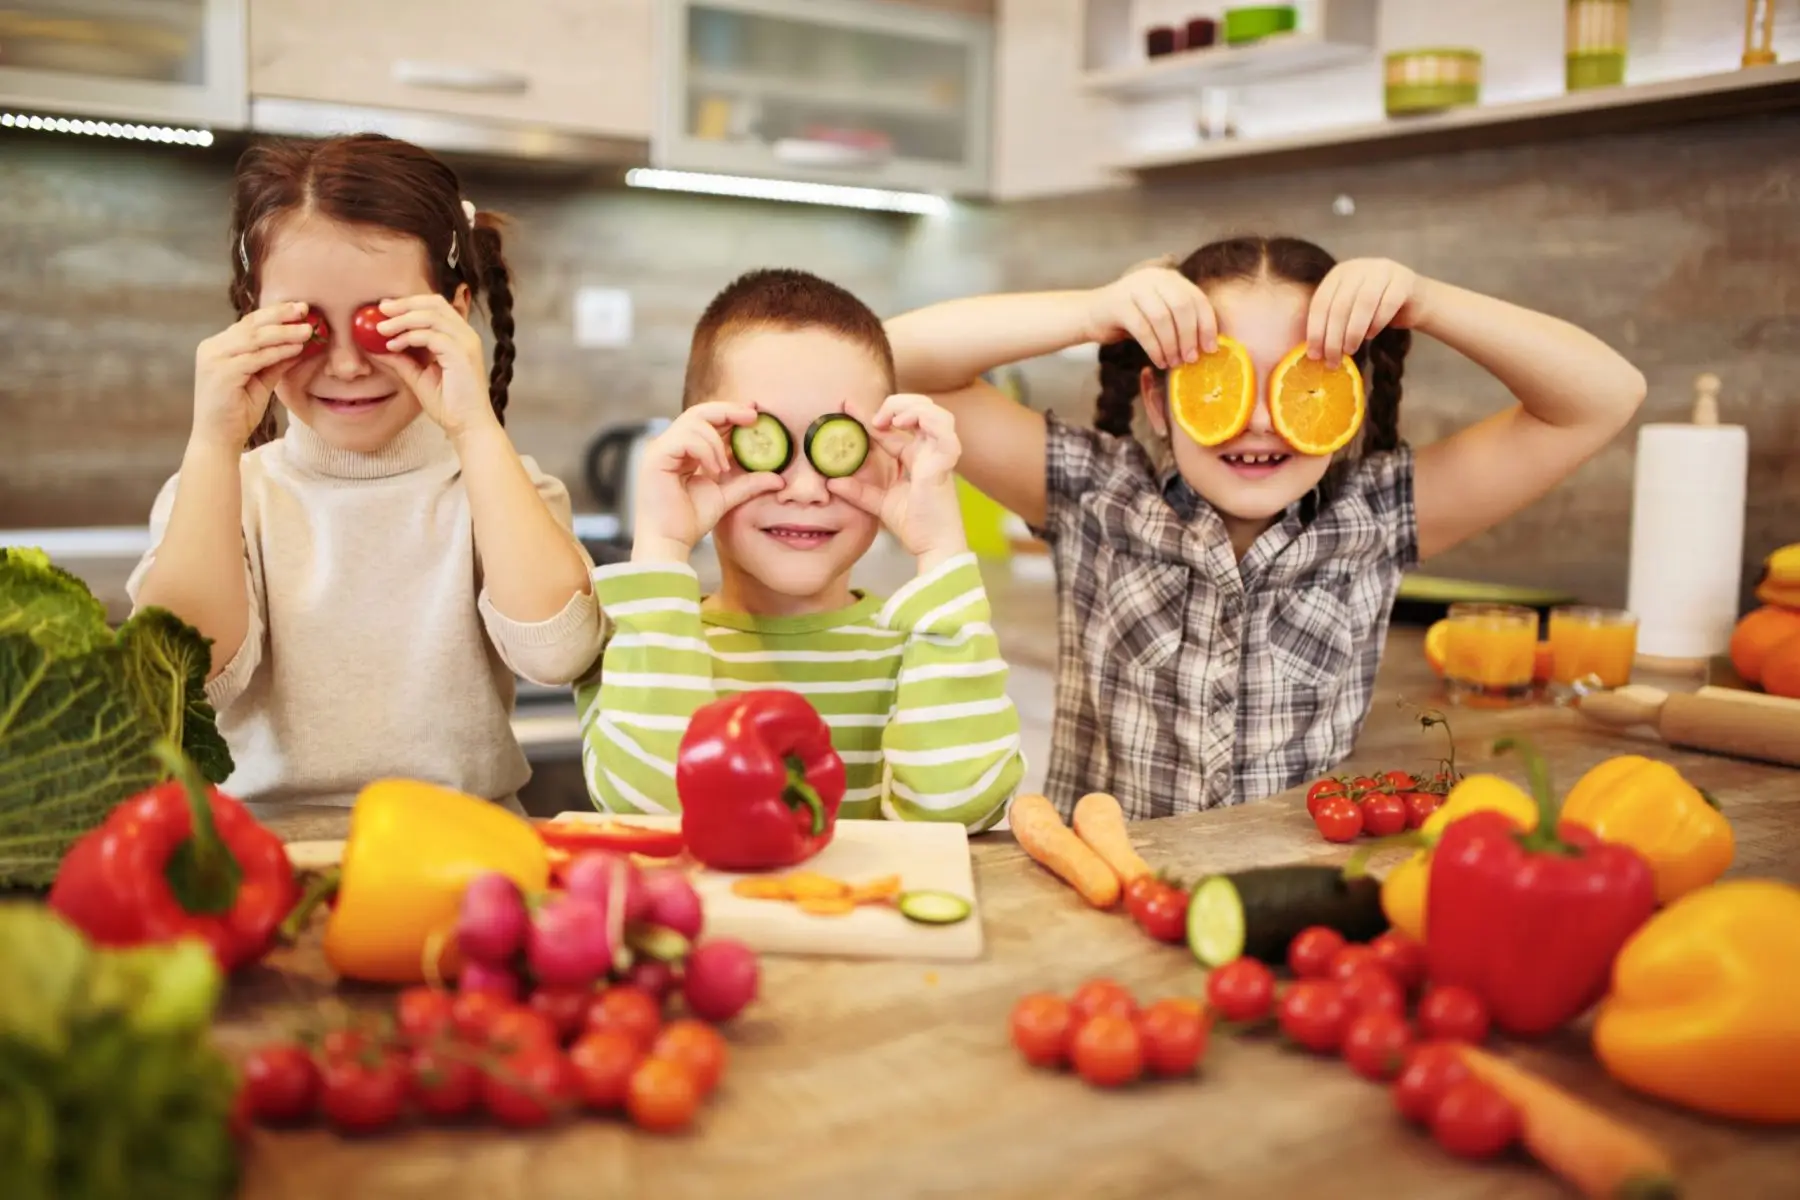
[1189, 680]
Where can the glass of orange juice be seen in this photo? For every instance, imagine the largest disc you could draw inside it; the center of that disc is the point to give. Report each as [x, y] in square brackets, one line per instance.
[1489, 652]
[1591, 649]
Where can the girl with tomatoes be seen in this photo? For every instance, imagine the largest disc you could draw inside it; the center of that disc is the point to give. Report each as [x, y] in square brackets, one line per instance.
[372, 579]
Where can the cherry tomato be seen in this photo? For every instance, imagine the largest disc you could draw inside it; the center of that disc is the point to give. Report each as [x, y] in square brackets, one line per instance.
[425, 1014]
[1431, 1069]
[1163, 913]
[1101, 996]
[1351, 959]
[343, 1044]
[1402, 957]
[1324, 789]
[441, 1084]
[320, 339]
[1313, 1014]
[1375, 1045]
[1384, 814]
[530, 1086]
[1241, 990]
[1371, 989]
[695, 1045]
[1453, 1014]
[1472, 1120]
[603, 1062]
[1399, 781]
[1339, 819]
[281, 1083]
[1310, 953]
[363, 331]
[1363, 785]
[473, 1012]
[1107, 1050]
[565, 1007]
[1173, 1032]
[519, 1028]
[626, 1008]
[360, 1096]
[662, 1096]
[1041, 1027]
[1419, 806]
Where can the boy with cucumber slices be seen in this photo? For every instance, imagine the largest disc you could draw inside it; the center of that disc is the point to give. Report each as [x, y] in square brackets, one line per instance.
[793, 451]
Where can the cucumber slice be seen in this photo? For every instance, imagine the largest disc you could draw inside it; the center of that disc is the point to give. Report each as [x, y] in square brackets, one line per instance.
[1256, 913]
[836, 445]
[929, 907]
[763, 445]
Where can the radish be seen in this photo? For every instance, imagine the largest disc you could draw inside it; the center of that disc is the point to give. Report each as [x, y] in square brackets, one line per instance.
[478, 976]
[569, 942]
[591, 877]
[490, 924]
[657, 978]
[674, 904]
[719, 979]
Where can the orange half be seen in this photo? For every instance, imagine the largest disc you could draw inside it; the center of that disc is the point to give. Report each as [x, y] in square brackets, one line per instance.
[1436, 639]
[1212, 398]
[1316, 408]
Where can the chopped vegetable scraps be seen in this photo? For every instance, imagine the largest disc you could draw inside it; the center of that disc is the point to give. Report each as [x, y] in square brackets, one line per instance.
[817, 894]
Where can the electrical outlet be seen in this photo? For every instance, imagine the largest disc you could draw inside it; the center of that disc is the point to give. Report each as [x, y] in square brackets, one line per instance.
[602, 317]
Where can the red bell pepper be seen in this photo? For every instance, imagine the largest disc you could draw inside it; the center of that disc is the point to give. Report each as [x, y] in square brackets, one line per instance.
[759, 782]
[179, 860]
[577, 837]
[1531, 922]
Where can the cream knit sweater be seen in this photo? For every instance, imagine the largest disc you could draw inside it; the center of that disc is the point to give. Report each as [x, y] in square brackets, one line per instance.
[373, 650]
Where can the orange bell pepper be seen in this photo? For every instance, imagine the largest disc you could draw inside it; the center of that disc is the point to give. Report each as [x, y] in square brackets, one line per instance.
[1649, 806]
[413, 848]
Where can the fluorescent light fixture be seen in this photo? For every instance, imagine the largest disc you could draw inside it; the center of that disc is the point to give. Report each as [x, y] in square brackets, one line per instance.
[791, 191]
[129, 131]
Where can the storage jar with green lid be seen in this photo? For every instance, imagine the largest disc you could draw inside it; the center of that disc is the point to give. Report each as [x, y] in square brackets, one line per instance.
[1598, 38]
[1431, 79]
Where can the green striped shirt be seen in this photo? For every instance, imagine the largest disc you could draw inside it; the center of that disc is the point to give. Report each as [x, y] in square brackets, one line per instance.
[914, 690]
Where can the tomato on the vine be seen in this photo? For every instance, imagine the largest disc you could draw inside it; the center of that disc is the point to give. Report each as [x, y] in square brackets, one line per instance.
[280, 1082]
[1314, 1014]
[1453, 1014]
[1402, 957]
[442, 1084]
[662, 1096]
[1102, 997]
[1371, 989]
[695, 1045]
[1375, 1044]
[1041, 1027]
[530, 1086]
[1473, 1120]
[519, 1028]
[1351, 958]
[362, 1096]
[1431, 1069]
[1173, 1032]
[1311, 952]
[627, 1008]
[1324, 789]
[1363, 785]
[1399, 781]
[425, 1014]
[603, 1062]
[566, 1008]
[1241, 990]
[1384, 814]
[1339, 819]
[1159, 908]
[1420, 806]
[1107, 1050]
[473, 1012]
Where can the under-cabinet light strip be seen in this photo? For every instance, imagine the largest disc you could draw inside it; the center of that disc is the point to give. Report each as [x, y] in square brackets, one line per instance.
[792, 191]
[130, 131]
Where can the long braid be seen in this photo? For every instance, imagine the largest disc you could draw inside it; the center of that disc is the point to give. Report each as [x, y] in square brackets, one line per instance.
[1387, 365]
[496, 278]
[1122, 366]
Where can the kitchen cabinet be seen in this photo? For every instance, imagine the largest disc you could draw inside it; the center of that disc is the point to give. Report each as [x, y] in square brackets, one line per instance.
[577, 65]
[838, 91]
[1051, 136]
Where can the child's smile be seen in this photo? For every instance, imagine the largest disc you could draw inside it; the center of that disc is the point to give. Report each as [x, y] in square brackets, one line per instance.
[794, 536]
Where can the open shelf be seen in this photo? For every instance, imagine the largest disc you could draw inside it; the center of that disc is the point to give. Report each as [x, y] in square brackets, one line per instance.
[1591, 111]
[1184, 73]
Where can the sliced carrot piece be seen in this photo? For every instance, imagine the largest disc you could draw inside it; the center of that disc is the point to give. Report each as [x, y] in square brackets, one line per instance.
[826, 906]
[876, 891]
[757, 888]
[803, 885]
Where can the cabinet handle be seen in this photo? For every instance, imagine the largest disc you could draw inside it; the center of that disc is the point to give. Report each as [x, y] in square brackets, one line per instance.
[818, 153]
[450, 77]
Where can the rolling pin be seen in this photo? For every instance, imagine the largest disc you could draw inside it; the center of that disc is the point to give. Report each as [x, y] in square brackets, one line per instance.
[1716, 720]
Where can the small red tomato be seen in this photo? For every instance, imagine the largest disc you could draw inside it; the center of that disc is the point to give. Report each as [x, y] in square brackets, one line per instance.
[530, 1086]
[697, 1046]
[365, 331]
[1363, 785]
[241, 1119]
[1453, 1014]
[1351, 959]
[1173, 1032]
[603, 1063]
[473, 1012]
[1399, 781]
[1371, 989]
[1472, 1120]
[281, 1083]
[1107, 1050]
[1313, 1015]
[343, 1044]
[1402, 957]
[1420, 806]
[1324, 789]
[1311, 952]
[362, 1097]
[1375, 1045]
[519, 1028]
[1384, 814]
[1431, 1069]
[1099, 997]
[565, 1007]
[319, 340]
[425, 1014]
[662, 1096]
[441, 1084]
[1164, 915]
[1339, 819]
[626, 1008]
[1241, 990]
[1041, 1027]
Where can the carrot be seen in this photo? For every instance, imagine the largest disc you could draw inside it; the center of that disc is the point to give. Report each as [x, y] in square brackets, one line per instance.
[1100, 822]
[1600, 1156]
[1041, 833]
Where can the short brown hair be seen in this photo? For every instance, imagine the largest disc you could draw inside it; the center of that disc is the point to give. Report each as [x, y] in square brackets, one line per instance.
[779, 299]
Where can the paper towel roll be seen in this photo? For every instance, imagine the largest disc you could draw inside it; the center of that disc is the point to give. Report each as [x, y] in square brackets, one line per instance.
[1687, 537]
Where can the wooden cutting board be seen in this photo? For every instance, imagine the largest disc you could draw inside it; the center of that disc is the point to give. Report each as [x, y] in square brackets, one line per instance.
[923, 854]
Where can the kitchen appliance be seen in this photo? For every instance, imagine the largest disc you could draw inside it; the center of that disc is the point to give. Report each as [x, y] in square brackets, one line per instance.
[611, 467]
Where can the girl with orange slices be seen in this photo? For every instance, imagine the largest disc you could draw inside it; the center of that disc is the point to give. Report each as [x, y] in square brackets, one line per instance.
[1224, 583]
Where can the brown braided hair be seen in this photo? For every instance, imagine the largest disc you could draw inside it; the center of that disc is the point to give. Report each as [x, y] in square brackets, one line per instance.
[1382, 359]
[373, 180]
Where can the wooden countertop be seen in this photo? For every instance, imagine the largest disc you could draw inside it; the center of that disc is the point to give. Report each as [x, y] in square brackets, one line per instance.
[878, 1080]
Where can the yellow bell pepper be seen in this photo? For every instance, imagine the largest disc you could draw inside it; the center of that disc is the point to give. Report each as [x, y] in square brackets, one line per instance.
[413, 848]
[1404, 888]
[1648, 806]
[1702, 1011]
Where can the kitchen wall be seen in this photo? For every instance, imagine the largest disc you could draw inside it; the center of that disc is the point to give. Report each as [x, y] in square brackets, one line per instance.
[1680, 246]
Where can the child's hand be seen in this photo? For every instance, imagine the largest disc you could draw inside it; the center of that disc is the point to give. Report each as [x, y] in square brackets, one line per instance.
[1357, 300]
[919, 507]
[235, 371]
[452, 384]
[686, 481]
[1159, 306]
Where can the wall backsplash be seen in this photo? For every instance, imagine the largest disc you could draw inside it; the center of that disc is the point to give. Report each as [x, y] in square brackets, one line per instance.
[1679, 247]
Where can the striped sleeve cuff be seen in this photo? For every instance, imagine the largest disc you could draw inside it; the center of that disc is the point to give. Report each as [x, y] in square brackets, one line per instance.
[627, 590]
[948, 599]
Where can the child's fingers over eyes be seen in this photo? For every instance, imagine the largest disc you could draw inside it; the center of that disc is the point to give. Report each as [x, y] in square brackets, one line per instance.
[1196, 329]
[288, 312]
[720, 414]
[1319, 327]
[859, 492]
[739, 488]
